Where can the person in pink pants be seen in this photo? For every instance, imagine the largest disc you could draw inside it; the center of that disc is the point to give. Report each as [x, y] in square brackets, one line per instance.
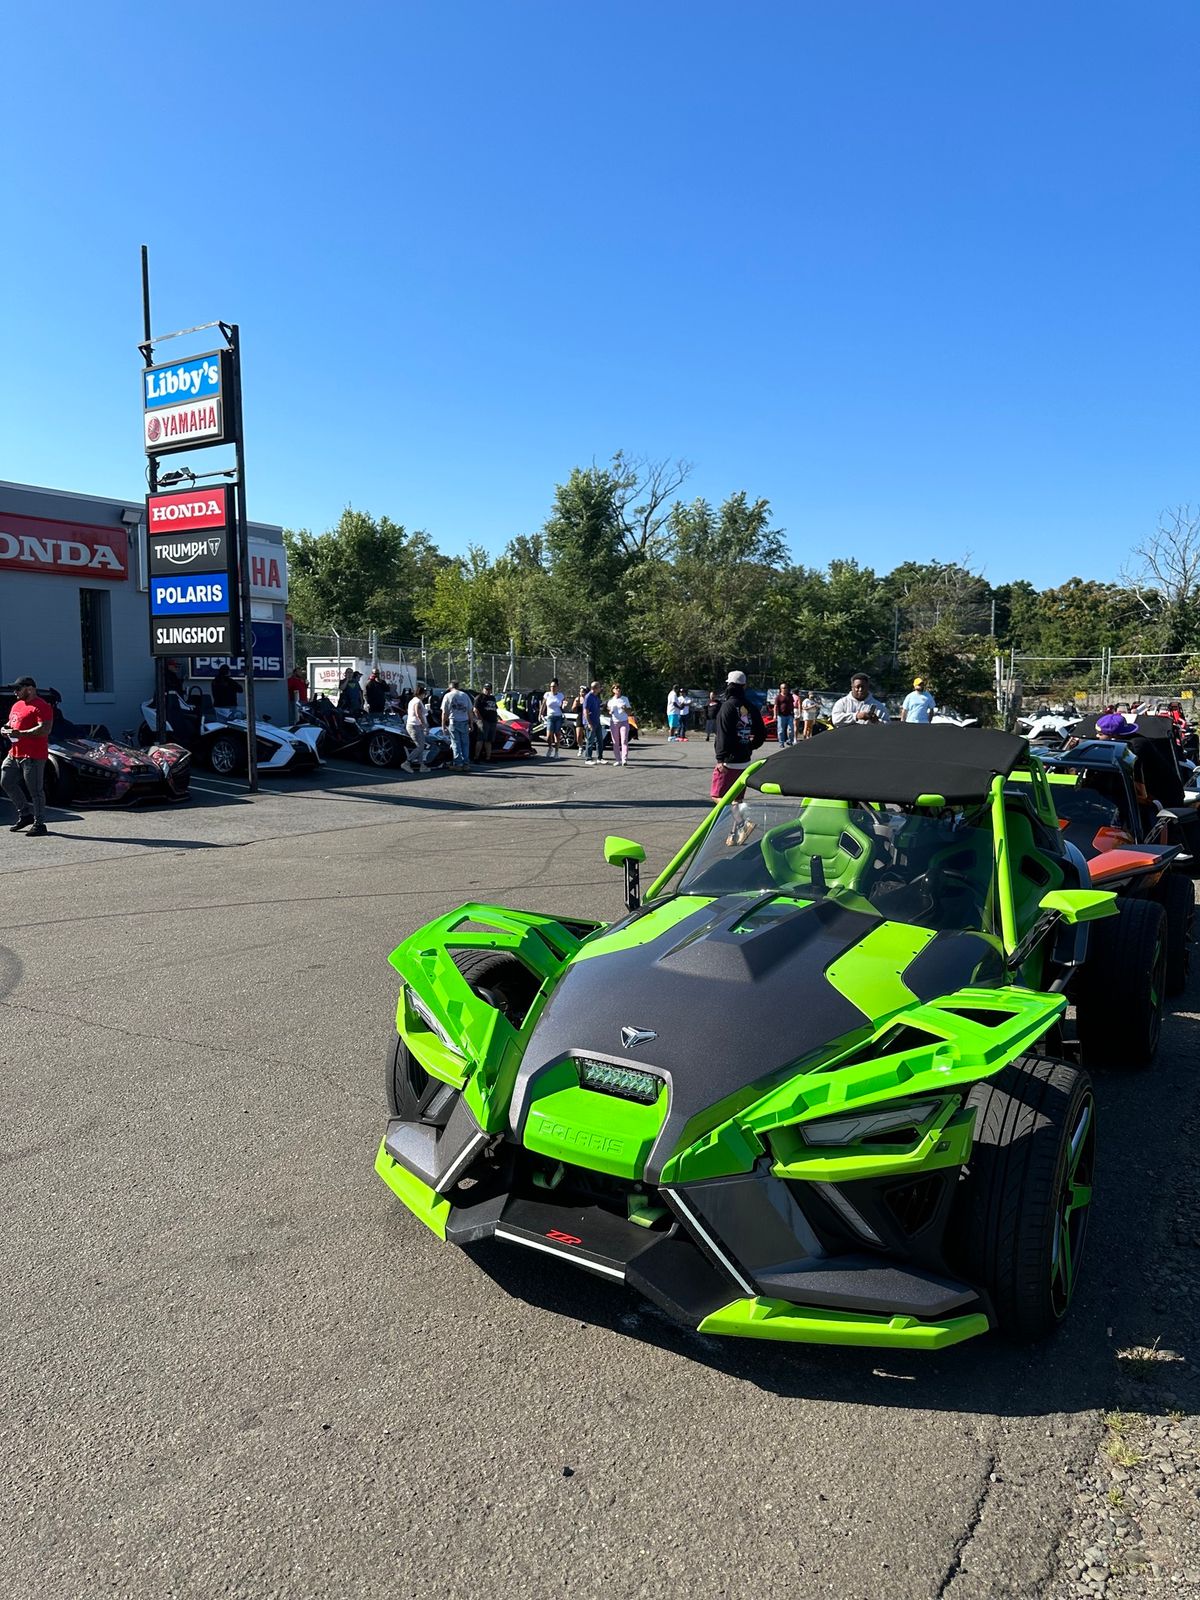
[618, 723]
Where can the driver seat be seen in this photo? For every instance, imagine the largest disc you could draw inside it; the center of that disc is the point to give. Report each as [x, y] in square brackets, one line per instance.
[825, 846]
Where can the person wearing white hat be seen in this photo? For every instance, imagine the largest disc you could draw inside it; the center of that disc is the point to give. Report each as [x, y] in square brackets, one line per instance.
[740, 732]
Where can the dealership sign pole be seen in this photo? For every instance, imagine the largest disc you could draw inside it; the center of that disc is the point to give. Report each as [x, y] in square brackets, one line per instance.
[160, 671]
[197, 541]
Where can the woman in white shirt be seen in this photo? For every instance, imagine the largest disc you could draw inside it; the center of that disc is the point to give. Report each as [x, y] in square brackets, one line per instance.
[552, 710]
[618, 723]
[416, 723]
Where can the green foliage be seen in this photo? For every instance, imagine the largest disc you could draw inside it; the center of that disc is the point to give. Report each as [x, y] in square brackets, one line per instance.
[361, 574]
[654, 590]
[957, 669]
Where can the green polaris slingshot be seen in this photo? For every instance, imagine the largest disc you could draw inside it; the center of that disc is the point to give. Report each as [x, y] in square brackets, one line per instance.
[835, 1102]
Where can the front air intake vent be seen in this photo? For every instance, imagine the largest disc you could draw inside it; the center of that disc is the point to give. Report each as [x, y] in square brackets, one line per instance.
[627, 1083]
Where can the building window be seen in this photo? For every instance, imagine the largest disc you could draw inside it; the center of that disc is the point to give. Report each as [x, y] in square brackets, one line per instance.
[95, 637]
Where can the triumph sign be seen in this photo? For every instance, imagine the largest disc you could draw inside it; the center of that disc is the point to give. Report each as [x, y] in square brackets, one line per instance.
[183, 404]
[193, 571]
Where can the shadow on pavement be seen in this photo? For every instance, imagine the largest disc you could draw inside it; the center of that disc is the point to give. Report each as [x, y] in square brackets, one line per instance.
[1126, 1298]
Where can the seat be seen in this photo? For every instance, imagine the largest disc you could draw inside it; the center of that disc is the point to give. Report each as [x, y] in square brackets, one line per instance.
[1036, 861]
[823, 848]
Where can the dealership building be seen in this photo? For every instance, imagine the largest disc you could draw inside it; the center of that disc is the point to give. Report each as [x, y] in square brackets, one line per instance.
[74, 606]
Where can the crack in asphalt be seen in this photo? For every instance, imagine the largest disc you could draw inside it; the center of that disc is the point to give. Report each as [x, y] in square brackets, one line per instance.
[959, 1552]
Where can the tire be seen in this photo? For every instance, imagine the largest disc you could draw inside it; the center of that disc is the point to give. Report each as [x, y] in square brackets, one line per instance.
[225, 755]
[382, 749]
[1020, 1217]
[497, 977]
[1178, 901]
[1119, 994]
[59, 783]
[144, 736]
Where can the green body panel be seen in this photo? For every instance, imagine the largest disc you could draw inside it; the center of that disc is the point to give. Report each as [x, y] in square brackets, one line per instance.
[1080, 905]
[760, 1318]
[869, 975]
[645, 928]
[617, 849]
[960, 1052]
[945, 1142]
[490, 1046]
[420, 1199]
[601, 1131]
[1003, 862]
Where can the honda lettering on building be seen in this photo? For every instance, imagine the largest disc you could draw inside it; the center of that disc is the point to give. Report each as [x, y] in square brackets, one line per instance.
[33, 544]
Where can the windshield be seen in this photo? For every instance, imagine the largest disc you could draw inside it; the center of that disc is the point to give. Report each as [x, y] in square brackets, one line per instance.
[935, 872]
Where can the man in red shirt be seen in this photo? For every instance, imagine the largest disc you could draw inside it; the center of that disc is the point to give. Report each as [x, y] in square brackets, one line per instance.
[23, 774]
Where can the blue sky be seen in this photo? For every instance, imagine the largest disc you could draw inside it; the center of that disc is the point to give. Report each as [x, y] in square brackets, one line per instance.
[921, 274]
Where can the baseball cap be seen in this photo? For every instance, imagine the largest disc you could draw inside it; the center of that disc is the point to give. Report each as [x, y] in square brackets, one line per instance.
[1115, 726]
[737, 677]
[918, 683]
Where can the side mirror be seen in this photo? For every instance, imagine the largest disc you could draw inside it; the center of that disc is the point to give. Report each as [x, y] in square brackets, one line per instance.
[630, 854]
[1079, 905]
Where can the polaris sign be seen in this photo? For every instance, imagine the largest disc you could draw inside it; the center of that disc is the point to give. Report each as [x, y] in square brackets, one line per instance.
[202, 596]
[268, 656]
[184, 404]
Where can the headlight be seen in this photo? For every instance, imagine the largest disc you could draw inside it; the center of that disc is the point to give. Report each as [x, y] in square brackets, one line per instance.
[627, 1083]
[430, 1021]
[866, 1126]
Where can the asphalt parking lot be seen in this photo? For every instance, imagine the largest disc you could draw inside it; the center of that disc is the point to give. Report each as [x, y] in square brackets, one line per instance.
[234, 1366]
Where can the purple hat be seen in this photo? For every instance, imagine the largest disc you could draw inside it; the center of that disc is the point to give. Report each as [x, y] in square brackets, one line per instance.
[1115, 726]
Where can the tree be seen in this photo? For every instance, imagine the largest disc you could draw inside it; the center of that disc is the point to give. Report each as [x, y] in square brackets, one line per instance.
[579, 605]
[1164, 576]
[698, 606]
[957, 668]
[364, 573]
[465, 602]
[654, 484]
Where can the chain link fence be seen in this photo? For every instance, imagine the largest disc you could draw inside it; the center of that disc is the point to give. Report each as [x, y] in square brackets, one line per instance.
[509, 671]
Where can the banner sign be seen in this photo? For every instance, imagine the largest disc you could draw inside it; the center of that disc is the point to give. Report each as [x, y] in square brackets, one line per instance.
[268, 656]
[191, 545]
[177, 638]
[194, 508]
[201, 596]
[188, 553]
[183, 404]
[268, 571]
[34, 544]
[197, 378]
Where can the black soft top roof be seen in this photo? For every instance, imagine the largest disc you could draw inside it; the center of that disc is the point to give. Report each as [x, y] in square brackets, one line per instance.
[1148, 723]
[894, 762]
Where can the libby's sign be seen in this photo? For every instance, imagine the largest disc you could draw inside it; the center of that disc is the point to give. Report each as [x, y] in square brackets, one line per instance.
[34, 544]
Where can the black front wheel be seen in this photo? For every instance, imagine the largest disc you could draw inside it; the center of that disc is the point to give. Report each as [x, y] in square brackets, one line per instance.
[1178, 900]
[497, 977]
[1119, 994]
[1022, 1209]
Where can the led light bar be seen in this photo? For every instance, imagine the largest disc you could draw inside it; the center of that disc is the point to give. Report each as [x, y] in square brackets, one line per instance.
[627, 1083]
